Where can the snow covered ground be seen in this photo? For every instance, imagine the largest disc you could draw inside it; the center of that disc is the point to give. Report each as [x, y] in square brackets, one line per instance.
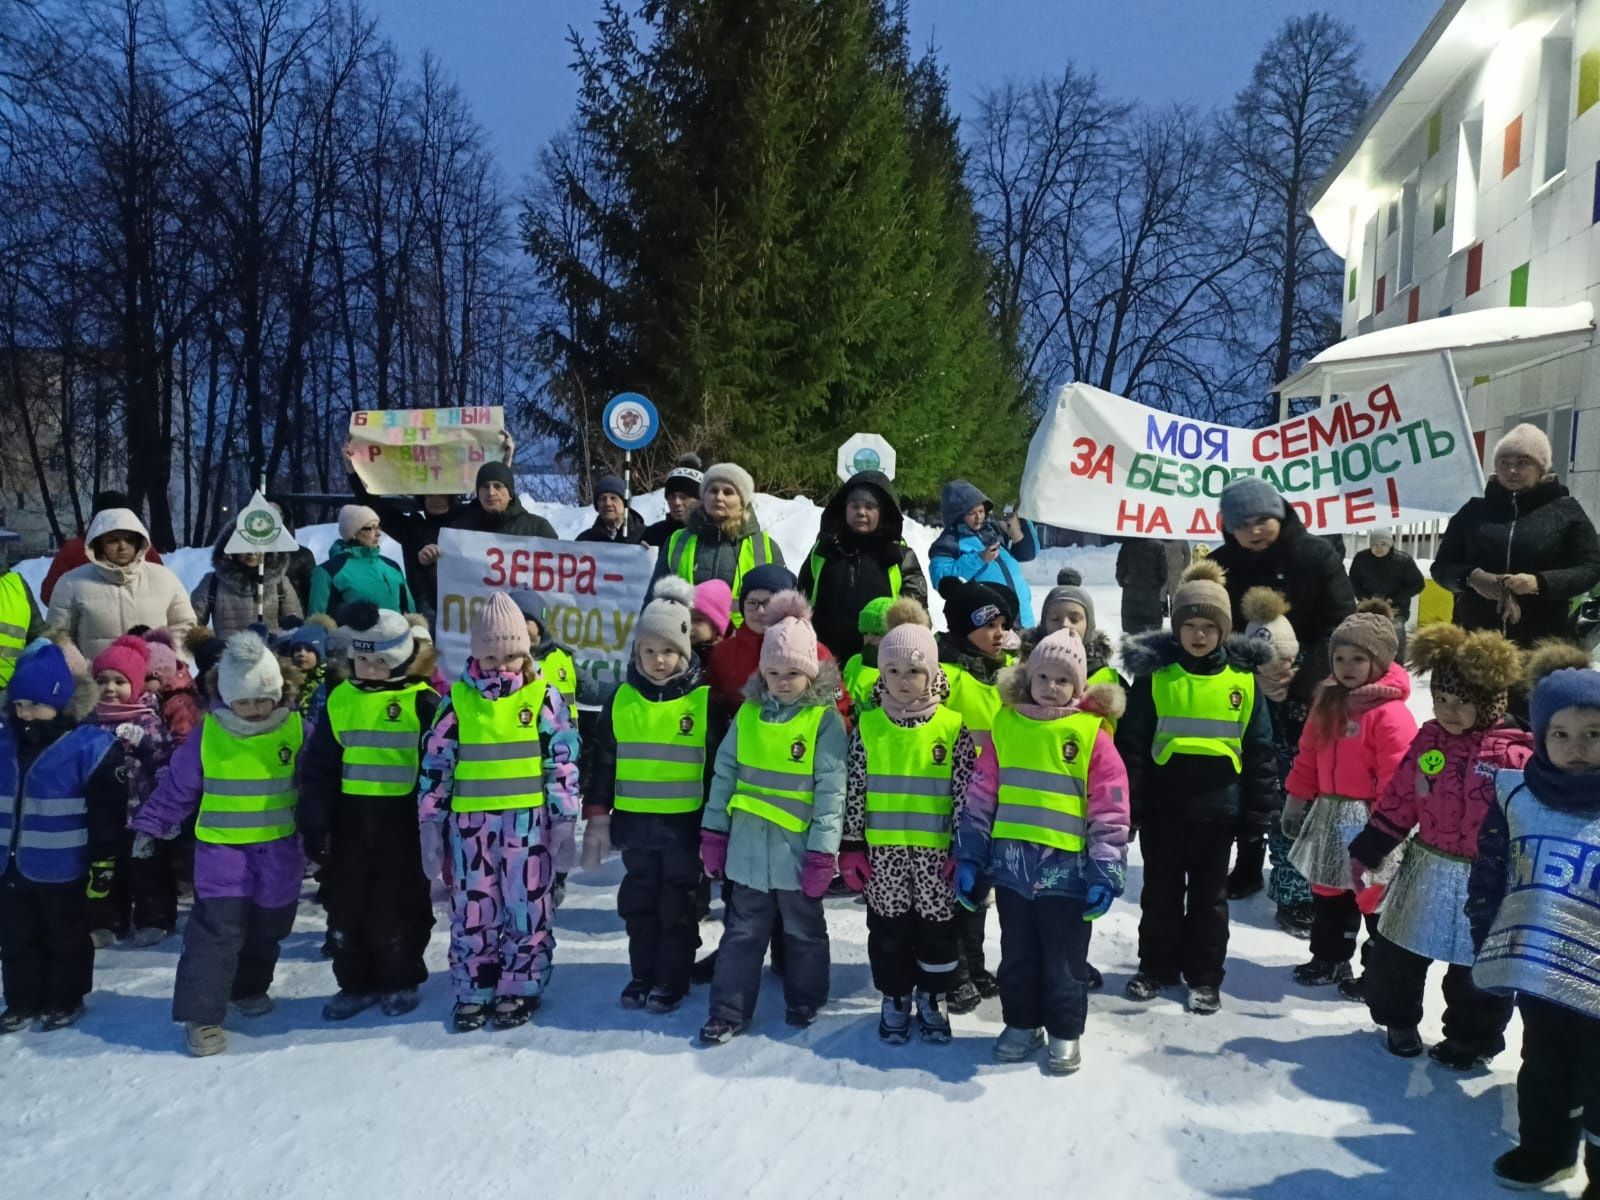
[1286, 1093]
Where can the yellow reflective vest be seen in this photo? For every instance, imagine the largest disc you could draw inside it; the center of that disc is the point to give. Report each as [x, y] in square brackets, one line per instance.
[381, 735]
[247, 790]
[16, 613]
[661, 751]
[1203, 715]
[560, 672]
[755, 551]
[910, 799]
[499, 759]
[1044, 778]
[976, 701]
[777, 767]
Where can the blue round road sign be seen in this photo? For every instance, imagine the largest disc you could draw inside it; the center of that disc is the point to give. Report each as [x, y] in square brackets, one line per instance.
[631, 421]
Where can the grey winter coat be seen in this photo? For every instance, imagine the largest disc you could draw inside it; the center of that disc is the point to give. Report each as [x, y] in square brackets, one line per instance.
[225, 597]
[760, 855]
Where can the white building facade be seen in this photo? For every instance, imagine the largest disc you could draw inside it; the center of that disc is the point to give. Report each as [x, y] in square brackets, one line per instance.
[1472, 186]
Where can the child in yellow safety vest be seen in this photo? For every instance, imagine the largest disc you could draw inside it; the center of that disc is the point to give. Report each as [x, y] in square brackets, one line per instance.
[971, 654]
[1197, 741]
[651, 759]
[499, 775]
[1070, 606]
[358, 813]
[909, 763]
[861, 668]
[772, 824]
[559, 669]
[1046, 821]
[235, 776]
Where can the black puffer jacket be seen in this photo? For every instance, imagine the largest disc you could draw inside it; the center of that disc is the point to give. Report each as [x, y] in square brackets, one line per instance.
[630, 534]
[846, 569]
[1142, 576]
[516, 521]
[1310, 575]
[1192, 787]
[1542, 532]
[1395, 577]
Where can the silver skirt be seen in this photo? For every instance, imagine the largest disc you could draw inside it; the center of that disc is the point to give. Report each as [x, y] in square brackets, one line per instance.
[1425, 909]
[1322, 851]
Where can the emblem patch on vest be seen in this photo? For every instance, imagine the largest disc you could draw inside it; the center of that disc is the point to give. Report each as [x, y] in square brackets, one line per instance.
[525, 717]
[686, 724]
[1236, 699]
[797, 749]
[1069, 750]
[1432, 762]
[285, 754]
[393, 711]
[939, 754]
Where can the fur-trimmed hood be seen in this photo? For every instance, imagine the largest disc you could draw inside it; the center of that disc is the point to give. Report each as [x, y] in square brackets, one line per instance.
[1102, 699]
[1146, 653]
[230, 571]
[824, 689]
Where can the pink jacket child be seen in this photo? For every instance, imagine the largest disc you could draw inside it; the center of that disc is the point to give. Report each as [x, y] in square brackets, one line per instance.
[1444, 788]
[1357, 732]
[169, 677]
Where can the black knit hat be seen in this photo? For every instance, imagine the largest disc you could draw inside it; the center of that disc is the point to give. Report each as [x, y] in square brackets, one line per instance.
[684, 479]
[970, 605]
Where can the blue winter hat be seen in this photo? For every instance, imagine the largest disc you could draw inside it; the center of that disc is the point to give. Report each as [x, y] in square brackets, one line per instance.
[769, 577]
[1562, 683]
[43, 677]
[957, 498]
[310, 636]
[1246, 497]
[610, 485]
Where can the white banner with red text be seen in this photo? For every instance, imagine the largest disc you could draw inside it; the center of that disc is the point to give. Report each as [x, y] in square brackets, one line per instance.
[1402, 452]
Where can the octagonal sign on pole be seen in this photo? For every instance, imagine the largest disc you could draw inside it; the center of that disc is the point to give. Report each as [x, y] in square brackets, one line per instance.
[865, 452]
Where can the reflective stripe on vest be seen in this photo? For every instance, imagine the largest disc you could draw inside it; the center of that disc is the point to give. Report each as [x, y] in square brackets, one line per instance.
[755, 550]
[247, 794]
[499, 761]
[1044, 778]
[560, 672]
[909, 771]
[818, 561]
[1204, 715]
[1541, 942]
[15, 614]
[45, 812]
[661, 751]
[381, 734]
[976, 701]
[858, 681]
[777, 761]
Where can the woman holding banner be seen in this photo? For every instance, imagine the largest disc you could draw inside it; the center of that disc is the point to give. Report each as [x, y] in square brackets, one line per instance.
[1519, 555]
[722, 539]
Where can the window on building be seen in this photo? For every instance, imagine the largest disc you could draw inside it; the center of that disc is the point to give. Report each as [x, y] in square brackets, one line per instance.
[1369, 265]
[1406, 272]
[1555, 108]
[1556, 424]
[1469, 164]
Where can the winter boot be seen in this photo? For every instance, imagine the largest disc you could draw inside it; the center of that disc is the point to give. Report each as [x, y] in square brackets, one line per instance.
[467, 1016]
[1404, 1041]
[1320, 972]
[1092, 979]
[558, 889]
[1354, 988]
[398, 1004]
[511, 1011]
[635, 994]
[61, 1018]
[345, 1005]
[1203, 1000]
[988, 986]
[1146, 987]
[103, 938]
[894, 1020]
[719, 1032]
[254, 1006]
[935, 1025]
[1522, 1170]
[662, 1000]
[1245, 879]
[204, 1040]
[1013, 1045]
[1295, 920]
[801, 1016]
[964, 999]
[1062, 1057]
[15, 1020]
[1463, 1056]
[150, 935]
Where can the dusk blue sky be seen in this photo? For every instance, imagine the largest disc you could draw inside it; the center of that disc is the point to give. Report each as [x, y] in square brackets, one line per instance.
[511, 57]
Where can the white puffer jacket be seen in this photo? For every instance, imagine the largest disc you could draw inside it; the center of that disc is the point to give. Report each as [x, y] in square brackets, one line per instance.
[97, 603]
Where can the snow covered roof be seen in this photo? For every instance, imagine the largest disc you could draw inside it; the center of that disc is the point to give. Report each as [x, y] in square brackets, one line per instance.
[1486, 341]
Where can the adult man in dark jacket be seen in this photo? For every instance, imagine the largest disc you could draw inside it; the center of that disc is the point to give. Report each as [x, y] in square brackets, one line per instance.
[860, 554]
[1385, 573]
[495, 509]
[682, 494]
[1142, 569]
[1517, 556]
[614, 521]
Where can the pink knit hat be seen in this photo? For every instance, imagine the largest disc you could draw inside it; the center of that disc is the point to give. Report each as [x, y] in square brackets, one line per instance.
[129, 656]
[713, 600]
[353, 518]
[790, 641]
[500, 629]
[910, 646]
[1062, 650]
[163, 658]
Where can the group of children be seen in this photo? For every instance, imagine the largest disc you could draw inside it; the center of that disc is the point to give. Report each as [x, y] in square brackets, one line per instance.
[934, 772]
